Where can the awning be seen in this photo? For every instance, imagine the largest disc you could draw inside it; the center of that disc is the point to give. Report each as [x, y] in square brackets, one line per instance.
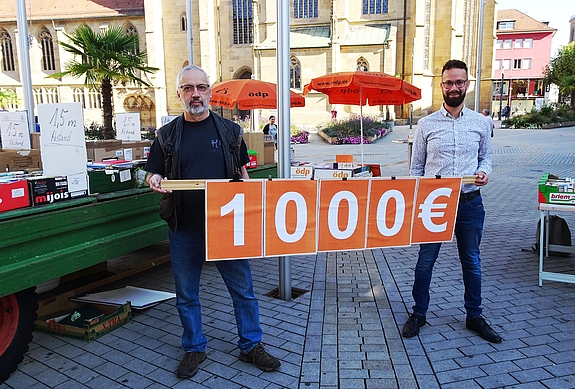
[369, 34]
[318, 36]
[302, 37]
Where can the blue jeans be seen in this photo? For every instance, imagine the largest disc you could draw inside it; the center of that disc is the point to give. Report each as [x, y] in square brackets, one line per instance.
[468, 231]
[187, 252]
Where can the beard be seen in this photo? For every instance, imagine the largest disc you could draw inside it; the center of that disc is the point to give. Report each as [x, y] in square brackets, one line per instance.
[455, 99]
[195, 110]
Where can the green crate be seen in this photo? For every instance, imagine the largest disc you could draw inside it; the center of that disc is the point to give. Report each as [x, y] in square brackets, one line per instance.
[110, 180]
[113, 317]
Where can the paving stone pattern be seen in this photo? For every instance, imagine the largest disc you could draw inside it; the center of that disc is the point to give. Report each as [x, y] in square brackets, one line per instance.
[345, 331]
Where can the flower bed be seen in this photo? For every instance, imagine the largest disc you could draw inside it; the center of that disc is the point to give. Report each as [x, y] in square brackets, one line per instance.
[299, 136]
[348, 131]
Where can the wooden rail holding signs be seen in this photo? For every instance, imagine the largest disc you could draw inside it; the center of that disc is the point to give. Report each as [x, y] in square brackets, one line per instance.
[200, 184]
[262, 218]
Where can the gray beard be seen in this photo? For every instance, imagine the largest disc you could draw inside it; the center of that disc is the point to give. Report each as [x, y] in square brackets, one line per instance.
[197, 111]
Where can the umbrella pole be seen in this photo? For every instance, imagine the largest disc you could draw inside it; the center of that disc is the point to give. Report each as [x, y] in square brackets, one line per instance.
[361, 124]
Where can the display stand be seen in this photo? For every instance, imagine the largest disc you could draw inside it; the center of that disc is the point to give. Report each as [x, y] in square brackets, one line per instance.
[544, 245]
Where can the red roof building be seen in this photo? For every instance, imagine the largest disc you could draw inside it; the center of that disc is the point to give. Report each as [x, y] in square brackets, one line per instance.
[523, 49]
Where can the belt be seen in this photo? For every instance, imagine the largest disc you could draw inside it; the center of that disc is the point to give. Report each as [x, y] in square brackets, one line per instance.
[469, 195]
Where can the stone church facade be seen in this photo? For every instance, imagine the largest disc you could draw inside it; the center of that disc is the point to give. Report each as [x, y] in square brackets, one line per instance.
[410, 39]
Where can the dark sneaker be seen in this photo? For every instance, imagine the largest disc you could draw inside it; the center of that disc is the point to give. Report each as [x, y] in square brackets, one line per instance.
[412, 325]
[261, 358]
[480, 326]
[189, 365]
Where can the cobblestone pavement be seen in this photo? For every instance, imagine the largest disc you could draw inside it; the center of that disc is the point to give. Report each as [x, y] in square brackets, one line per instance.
[345, 331]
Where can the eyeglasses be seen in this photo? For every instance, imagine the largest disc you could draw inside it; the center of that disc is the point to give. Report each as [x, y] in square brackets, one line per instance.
[190, 88]
[449, 84]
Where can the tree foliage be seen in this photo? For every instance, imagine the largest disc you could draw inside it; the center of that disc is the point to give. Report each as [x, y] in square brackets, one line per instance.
[7, 97]
[105, 58]
[561, 71]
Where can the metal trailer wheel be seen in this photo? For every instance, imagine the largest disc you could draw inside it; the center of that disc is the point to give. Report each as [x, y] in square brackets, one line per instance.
[17, 316]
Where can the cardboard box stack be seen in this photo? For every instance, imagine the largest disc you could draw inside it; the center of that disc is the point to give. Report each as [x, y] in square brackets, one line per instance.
[99, 150]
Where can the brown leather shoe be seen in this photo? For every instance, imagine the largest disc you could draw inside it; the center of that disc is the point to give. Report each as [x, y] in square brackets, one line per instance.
[480, 326]
[189, 365]
[412, 325]
[261, 358]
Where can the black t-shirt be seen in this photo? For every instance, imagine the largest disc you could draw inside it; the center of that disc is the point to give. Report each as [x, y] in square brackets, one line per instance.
[201, 157]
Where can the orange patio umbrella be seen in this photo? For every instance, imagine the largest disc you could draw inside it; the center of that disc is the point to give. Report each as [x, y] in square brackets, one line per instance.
[364, 88]
[249, 94]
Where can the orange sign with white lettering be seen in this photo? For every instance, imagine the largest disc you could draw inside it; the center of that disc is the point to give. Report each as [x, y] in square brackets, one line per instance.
[436, 209]
[342, 214]
[390, 212]
[290, 217]
[234, 219]
[259, 218]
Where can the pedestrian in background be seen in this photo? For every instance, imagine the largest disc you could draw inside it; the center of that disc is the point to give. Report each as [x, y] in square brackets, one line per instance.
[272, 129]
[454, 141]
[486, 112]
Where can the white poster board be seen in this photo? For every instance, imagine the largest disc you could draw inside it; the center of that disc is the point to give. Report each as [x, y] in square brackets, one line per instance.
[167, 119]
[14, 130]
[63, 144]
[128, 126]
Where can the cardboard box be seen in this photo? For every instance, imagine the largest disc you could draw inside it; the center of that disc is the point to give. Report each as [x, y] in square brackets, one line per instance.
[13, 194]
[35, 140]
[112, 318]
[12, 160]
[269, 152]
[339, 173]
[255, 141]
[97, 150]
[332, 174]
[253, 163]
[138, 149]
[305, 172]
[110, 180]
[48, 190]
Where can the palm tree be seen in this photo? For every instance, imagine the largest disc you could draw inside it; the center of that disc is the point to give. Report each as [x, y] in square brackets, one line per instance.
[105, 58]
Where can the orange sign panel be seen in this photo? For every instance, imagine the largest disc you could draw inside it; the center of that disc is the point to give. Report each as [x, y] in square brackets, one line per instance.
[234, 219]
[390, 212]
[342, 214]
[435, 209]
[290, 217]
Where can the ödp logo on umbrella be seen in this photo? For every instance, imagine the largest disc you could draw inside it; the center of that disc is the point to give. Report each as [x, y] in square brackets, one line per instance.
[263, 95]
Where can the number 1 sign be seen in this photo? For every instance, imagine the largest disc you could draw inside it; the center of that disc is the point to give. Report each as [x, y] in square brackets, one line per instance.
[234, 223]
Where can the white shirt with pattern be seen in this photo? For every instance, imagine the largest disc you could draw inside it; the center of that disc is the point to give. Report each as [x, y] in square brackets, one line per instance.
[452, 147]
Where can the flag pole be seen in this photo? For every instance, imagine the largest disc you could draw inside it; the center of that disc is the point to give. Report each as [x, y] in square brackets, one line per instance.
[25, 64]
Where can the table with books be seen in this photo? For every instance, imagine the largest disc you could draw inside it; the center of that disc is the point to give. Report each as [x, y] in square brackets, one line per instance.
[555, 195]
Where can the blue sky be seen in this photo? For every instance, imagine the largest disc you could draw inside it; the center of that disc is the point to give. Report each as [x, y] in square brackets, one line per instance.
[556, 12]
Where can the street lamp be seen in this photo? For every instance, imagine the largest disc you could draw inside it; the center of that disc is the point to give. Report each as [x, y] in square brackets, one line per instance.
[501, 95]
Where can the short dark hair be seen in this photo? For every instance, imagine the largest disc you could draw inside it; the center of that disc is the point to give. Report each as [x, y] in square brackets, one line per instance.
[272, 117]
[454, 64]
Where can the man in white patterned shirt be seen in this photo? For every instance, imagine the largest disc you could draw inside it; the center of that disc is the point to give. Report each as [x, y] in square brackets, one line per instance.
[454, 141]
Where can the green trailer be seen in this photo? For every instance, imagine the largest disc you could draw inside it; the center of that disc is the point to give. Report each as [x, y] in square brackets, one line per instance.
[41, 243]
